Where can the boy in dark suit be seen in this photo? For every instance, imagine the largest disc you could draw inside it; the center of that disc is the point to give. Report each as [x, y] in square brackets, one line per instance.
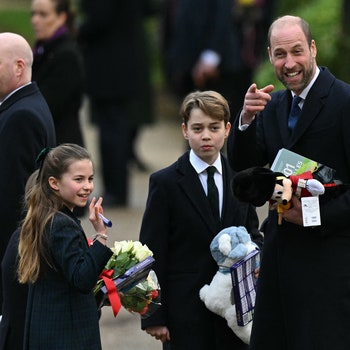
[178, 226]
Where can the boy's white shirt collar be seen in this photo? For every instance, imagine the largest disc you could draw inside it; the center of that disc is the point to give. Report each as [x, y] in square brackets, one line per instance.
[200, 166]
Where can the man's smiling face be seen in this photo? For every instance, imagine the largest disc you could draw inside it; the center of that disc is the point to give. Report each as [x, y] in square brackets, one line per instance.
[293, 59]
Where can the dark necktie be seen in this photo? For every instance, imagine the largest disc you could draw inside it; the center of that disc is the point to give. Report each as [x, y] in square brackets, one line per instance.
[294, 113]
[213, 194]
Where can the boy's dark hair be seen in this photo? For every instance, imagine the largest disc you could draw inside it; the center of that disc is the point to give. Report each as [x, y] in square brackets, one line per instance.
[210, 102]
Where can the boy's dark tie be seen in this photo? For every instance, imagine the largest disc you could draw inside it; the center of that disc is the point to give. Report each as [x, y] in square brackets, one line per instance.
[213, 194]
[294, 113]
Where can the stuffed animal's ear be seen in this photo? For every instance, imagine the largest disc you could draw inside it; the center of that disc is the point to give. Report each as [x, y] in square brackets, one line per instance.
[254, 185]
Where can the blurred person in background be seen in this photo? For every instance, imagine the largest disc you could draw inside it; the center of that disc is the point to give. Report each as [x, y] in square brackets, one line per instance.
[214, 45]
[58, 66]
[112, 36]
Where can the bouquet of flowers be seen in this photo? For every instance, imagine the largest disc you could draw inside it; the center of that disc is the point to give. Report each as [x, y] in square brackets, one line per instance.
[144, 298]
[129, 270]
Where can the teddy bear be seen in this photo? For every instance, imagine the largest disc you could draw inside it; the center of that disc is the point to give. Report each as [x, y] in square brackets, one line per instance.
[228, 246]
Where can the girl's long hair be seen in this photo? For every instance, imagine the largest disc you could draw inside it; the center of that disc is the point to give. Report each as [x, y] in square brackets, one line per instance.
[43, 203]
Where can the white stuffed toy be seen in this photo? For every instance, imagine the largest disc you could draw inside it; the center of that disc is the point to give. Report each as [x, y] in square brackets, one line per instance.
[228, 246]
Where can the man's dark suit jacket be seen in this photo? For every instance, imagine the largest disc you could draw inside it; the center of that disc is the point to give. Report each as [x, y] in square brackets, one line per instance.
[178, 227]
[303, 288]
[26, 127]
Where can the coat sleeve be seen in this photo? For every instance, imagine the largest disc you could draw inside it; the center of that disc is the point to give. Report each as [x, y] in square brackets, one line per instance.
[27, 135]
[242, 140]
[155, 233]
[252, 226]
[80, 264]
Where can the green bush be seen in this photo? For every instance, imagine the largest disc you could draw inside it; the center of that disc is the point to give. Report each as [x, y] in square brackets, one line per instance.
[324, 17]
[16, 20]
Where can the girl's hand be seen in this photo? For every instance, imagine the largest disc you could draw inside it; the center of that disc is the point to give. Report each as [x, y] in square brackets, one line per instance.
[95, 208]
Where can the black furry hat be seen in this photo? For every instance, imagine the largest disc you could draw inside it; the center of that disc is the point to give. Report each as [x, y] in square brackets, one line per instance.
[254, 185]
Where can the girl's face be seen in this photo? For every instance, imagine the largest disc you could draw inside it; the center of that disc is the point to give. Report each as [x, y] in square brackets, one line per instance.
[206, 136]
[45, 20]
[76, 185]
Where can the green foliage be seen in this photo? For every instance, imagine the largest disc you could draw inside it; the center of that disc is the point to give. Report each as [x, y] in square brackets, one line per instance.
[17, 20]
[324, 17]
[152, 29]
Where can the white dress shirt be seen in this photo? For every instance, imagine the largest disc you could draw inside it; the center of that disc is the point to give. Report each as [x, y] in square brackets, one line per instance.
[201, 168]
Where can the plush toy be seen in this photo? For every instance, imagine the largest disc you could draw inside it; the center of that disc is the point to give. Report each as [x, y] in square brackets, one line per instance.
[258, 185]
[228, 246]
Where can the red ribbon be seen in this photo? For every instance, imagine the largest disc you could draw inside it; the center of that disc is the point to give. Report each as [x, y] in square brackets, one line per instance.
[113, 295]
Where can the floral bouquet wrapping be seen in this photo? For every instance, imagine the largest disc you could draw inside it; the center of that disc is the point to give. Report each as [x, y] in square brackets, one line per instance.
[127, 280]
[144, 298]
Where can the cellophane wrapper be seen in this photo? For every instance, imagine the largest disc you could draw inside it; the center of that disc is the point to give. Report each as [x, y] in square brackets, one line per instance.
[144, 298]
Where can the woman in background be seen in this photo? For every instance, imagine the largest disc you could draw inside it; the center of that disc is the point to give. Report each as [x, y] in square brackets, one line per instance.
[58, 66]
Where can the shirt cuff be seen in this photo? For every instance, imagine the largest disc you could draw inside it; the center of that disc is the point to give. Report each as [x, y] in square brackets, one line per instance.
[243, 127]
[210, 58]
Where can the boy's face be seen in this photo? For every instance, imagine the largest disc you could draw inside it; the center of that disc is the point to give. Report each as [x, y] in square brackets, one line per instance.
[206, 136]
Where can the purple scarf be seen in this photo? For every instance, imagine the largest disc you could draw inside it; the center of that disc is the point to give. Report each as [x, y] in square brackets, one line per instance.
[40, 44]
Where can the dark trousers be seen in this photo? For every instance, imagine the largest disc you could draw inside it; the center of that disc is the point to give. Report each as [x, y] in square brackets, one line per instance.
[114, 141]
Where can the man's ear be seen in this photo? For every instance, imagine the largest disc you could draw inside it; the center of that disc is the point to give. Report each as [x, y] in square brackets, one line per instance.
[20, 66]
[53, 182]
[270, 54]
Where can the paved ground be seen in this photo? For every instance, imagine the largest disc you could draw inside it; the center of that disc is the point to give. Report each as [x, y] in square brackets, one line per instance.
[159, 145]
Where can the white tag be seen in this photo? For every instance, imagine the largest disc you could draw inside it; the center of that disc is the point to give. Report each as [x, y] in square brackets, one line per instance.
[311, 211]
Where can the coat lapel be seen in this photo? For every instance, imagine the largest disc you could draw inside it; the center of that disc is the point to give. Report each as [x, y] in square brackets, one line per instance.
[191, 186]
[313, 105]
[227, 197]
[282, 110]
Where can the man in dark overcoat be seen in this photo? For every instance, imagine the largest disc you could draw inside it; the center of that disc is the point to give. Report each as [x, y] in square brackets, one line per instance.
[303, 294]
[26, 127]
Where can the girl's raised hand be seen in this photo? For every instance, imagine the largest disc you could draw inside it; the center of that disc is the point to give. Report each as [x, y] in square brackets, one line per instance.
[95, 208]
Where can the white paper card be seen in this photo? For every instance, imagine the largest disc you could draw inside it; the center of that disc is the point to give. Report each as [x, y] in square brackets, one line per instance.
[311, 211]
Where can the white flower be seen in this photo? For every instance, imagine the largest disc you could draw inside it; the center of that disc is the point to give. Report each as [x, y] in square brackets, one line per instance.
[137, 245]
[117, 247]
[125, 247]
[142, 252]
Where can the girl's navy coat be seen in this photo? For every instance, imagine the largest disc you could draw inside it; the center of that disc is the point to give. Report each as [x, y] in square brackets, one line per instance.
[61, 308]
